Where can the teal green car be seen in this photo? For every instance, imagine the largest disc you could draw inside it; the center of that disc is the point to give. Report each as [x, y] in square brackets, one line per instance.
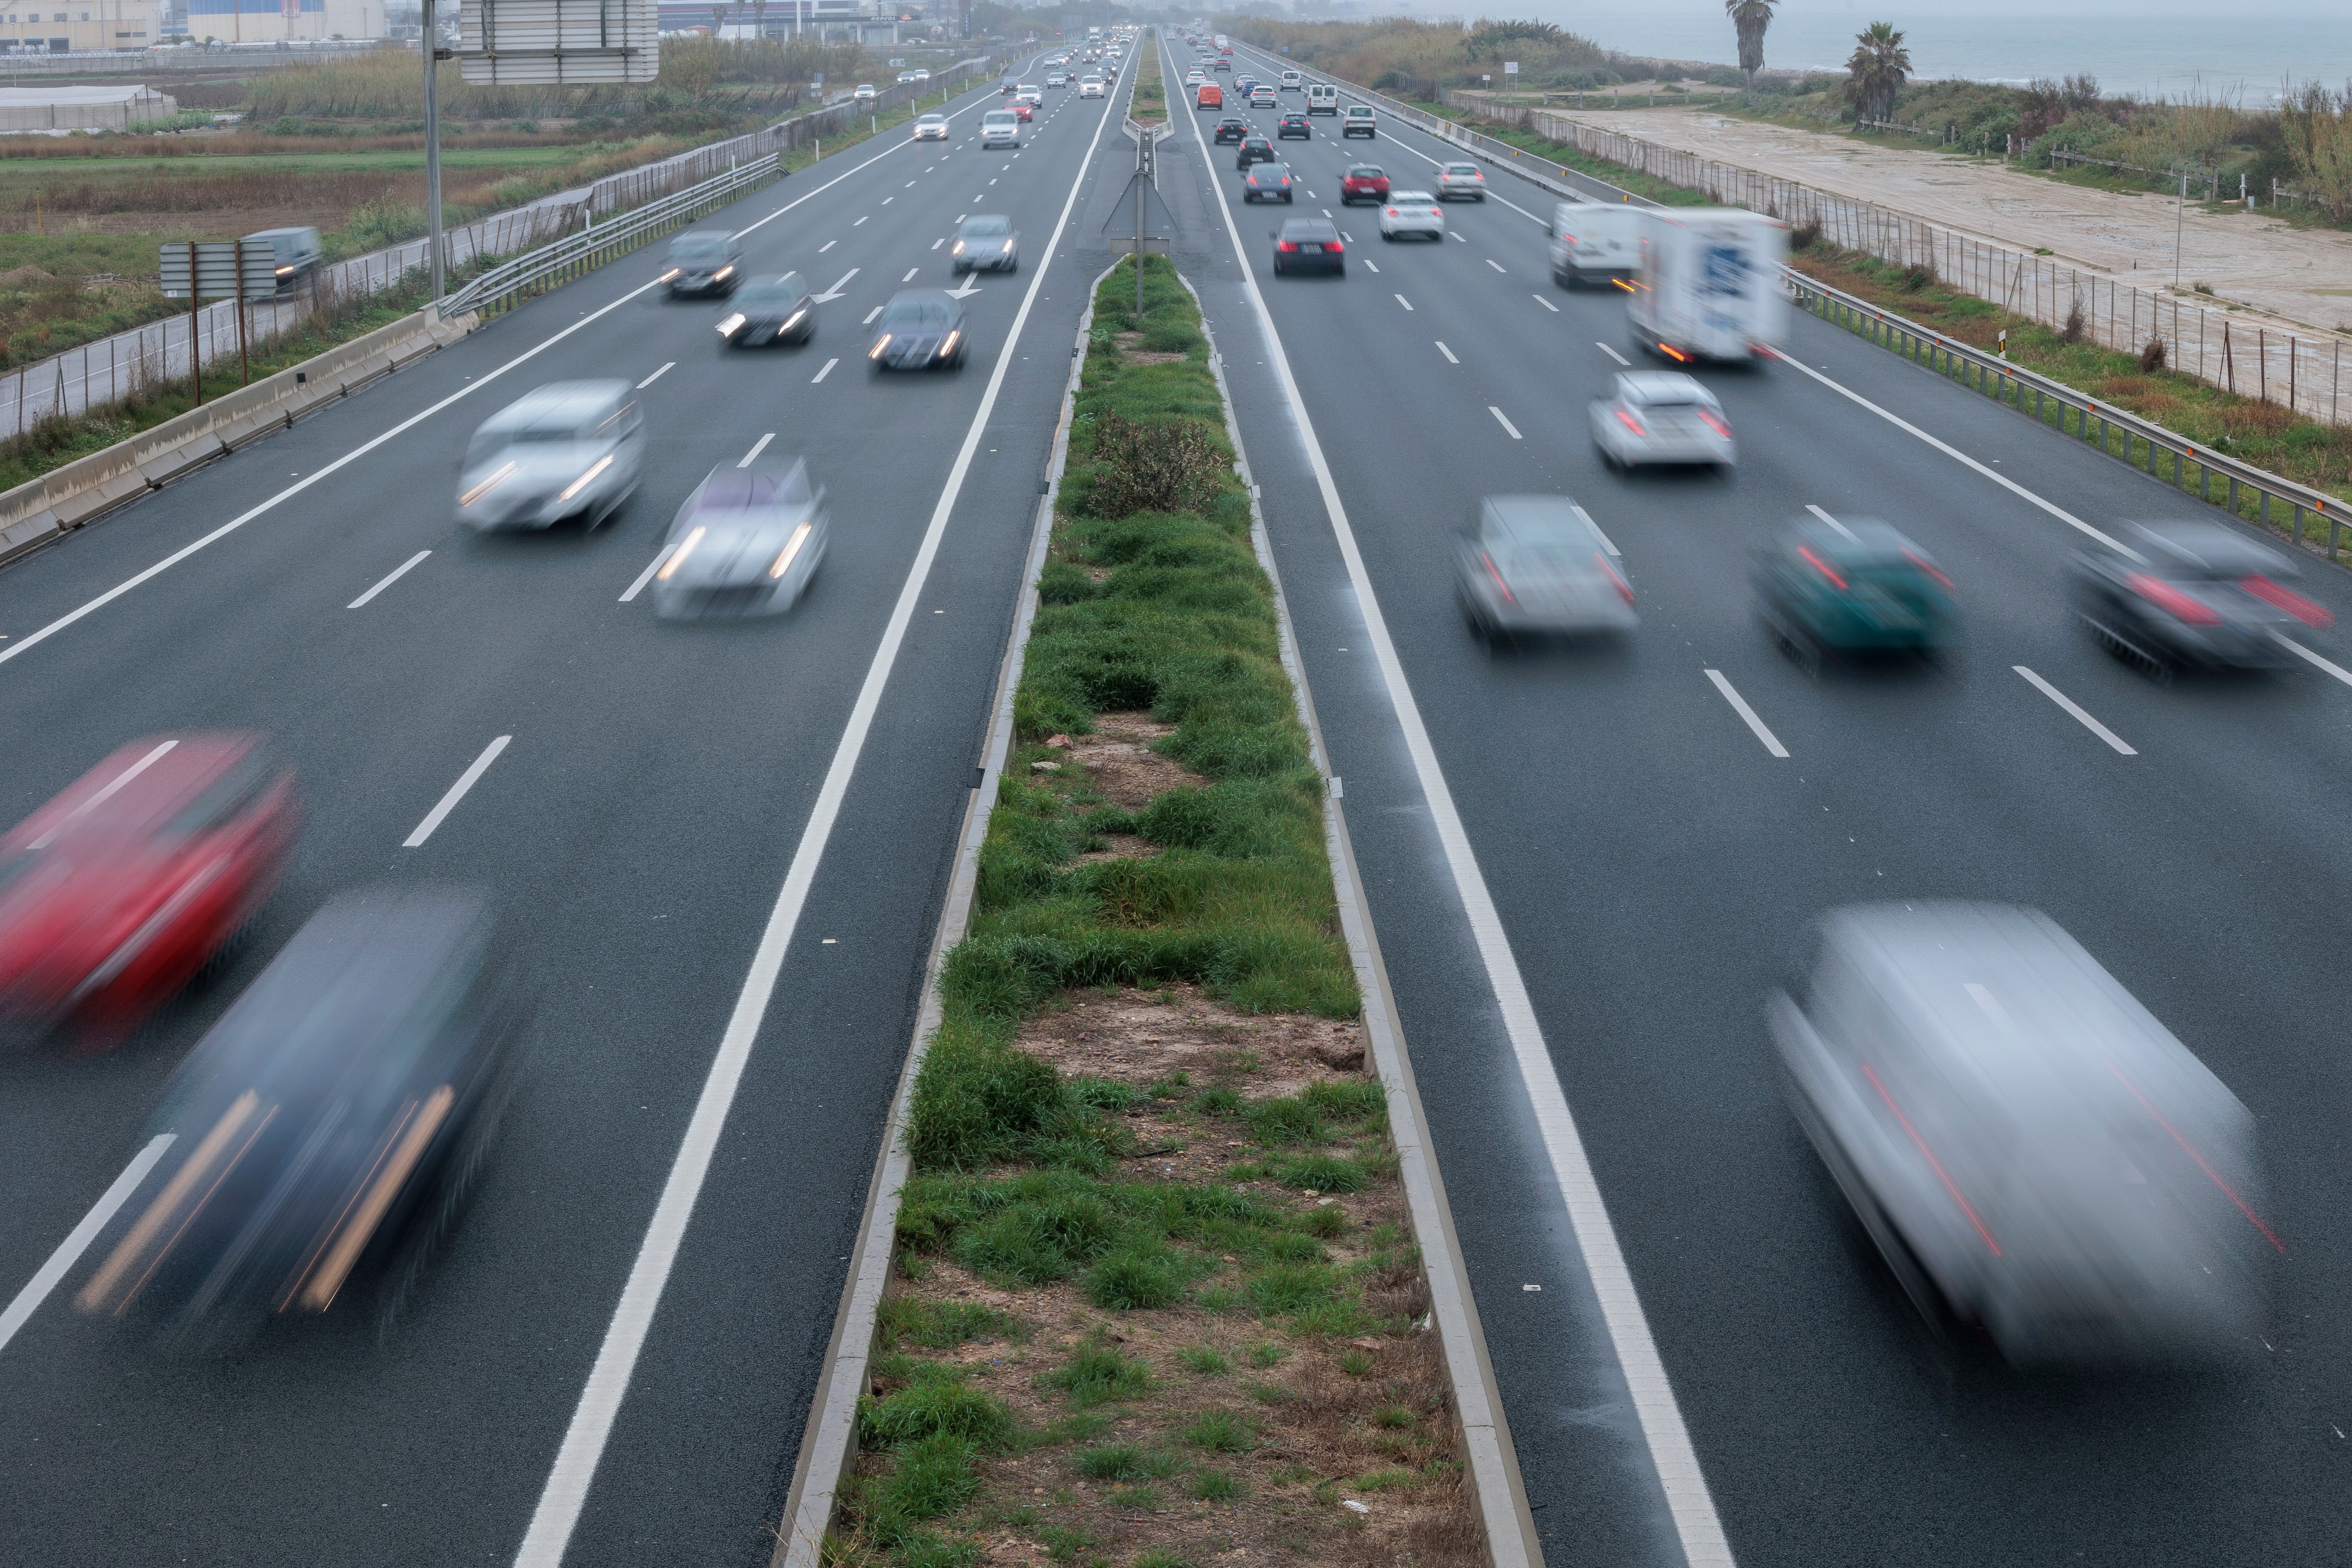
[1854, 589]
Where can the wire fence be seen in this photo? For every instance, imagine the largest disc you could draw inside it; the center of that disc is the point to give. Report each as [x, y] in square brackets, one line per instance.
[2306, 376]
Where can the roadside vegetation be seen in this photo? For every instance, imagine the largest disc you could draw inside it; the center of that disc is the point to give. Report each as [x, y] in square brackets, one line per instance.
[1157, 1300]
[1421, 59]
[1149, 105]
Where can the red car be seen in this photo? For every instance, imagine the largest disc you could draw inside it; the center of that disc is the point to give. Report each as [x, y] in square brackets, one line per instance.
[117, 892]
[1024, 108]
[1363, 182]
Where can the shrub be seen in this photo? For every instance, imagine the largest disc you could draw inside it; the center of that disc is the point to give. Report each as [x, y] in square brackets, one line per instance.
[1153, 466]
[1288, 1288]
[1323, 1174]
[2151, 356]
[1126, 1462]
[1215, 1486]
[1133, 1278]
[2076, 324]
[939, 1403]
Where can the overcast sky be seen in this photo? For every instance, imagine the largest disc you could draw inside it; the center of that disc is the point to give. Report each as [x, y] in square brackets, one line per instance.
[1589, 16]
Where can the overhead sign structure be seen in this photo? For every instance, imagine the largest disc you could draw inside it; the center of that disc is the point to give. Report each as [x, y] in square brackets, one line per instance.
[549, 42]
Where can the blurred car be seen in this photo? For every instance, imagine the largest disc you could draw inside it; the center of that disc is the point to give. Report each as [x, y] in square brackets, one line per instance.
[770, 311]
[919, 328]
[931, 128]
[746, 543]
[1660, 416]
[115, 894]
[1244, 82]
[572, 449]
[1222, 65]
[1412, 212]
[1309, 245]
[1000, 128]
[986, 240]
[702, 261]
[1535, 565]
[1092, 87]
[1359, 120]
[1254, 149]
[1208, 95]
[906, 76]
[327, 1127]
[1840, 589]
[2030, 1149]
[1024, 110]
[1262, 97]
[1293, 125]
[2200, 596]
[1058, 80]
[1268, 181]
[1231, 128]
[862, 93]
[296, 254]
[1461, 180]
[1363, 182]
[1031, 94]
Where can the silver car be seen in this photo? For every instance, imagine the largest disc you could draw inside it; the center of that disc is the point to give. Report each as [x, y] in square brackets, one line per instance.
[1464, 179]
[1412, 212]
[931, 128]
[2029, 1148]
[1538, 565]
[746, 543]
[1660, 416]
[572, 448]
[986, 240]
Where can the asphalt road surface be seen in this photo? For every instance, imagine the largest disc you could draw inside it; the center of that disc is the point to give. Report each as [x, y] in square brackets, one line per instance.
[1654, 866]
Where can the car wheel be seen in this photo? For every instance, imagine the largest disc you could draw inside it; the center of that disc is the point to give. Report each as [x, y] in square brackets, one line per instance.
[1286, 198]
[1388, 236]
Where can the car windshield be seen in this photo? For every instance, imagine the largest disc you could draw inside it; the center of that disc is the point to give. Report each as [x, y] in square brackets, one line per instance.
[979, 226]
[1271, 172]
[1405, 197]
[785, 290]
[1311, 228]
[1365, 171]
[906, 315]
[698, 247]
[746, 490]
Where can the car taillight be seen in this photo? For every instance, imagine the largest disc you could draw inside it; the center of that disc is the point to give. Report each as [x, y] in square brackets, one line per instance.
[1820, 565]
[1927, 566]
[1332, 247]
[1287, 245]
[1714, 423]
[1392, 212]
[1624, 589]
[1630, 423]
[2172, 601]
[1497, 576]
[2286, 599]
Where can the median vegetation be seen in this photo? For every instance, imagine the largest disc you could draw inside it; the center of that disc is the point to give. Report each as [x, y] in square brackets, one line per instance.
[1156, 1298]
[1148, 103]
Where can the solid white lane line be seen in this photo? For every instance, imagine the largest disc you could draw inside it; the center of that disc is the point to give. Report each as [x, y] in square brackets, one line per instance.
[2068, 703]
[1739, 706]
[1832, 522]
[825, 371]
[1605, 541]
[870, 315]
[646, 575]
[758, 446]
[1672, 1455]
[2338, 671]
[1496, 265]
[76, 1242]
[657, 375]
[828, 245]
[1405, 303]
[456, 793]
[389, 578]
[1448, 354]
[2061, 513]
[364, 447]
[1613, 353]
[1547, 304]
[1505, 423]
[568, 1481]
[909, 278]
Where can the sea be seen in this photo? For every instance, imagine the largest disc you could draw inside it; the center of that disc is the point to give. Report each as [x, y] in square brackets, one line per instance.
[2248, 57]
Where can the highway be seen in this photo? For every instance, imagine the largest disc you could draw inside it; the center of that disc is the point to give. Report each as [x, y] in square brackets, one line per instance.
[718, 849]
[1654, 851]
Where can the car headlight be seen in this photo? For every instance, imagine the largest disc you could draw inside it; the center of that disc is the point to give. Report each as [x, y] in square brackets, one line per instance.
[948, 343]
[505, 472]
[731, 325]
[794, 317]
[677, 557]
[1008, 244]
[722, 272]
[576, 485]
[959, 248]
[668, 275]
[791, 548]
[879, 344]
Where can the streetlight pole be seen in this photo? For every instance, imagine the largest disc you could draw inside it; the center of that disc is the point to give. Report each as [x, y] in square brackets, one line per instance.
[432, 52]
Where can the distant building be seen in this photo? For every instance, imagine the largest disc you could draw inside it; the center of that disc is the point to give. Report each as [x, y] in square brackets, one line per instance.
[276, 21]
[80, 24]
[36, 110]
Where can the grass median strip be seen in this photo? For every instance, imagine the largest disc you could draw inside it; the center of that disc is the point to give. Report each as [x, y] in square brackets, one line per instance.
[1156, 1298]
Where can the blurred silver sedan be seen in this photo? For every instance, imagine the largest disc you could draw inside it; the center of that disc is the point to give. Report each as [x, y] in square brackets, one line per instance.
[746, 543]
[986, 240]
[1535, 564]
[572, 448]
[2030, 1149]
[1660, 416]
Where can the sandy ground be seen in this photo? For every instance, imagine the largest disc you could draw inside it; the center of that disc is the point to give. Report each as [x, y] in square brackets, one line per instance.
[2303, 275]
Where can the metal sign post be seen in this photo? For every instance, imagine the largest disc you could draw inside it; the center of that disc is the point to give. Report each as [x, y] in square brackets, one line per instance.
[432, 51]
[237, 270]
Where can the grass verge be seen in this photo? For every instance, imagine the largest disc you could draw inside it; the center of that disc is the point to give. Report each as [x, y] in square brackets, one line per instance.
[1148, 103]
[1157, 1299]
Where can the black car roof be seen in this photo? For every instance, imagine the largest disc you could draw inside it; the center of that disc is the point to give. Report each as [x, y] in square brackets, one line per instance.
[1311, 228]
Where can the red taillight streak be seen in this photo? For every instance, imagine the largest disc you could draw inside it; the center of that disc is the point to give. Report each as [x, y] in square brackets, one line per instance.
[2287, 599]
[1820, 565]
[1287, 245]
[2172, 600]
[1622, 284]
[1927, 566]
[1921, 1145]
[1392, 212]
[1630, 423]
[2268, 1235]
[1624, 588]
[1714, 423]
[1497, 576]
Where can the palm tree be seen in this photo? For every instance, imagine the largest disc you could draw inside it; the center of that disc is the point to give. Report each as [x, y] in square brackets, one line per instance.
[1876, 72]
[1751, 17]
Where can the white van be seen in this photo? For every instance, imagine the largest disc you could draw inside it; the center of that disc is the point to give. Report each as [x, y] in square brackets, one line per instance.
[1000, 128]
[1322, 97]
[1594, 241]
[1708, 284]
[1292, 81]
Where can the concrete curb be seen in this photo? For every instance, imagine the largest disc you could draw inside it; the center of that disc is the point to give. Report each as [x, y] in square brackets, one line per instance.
[1497, 1492]
[42, 510]
[829, 1440]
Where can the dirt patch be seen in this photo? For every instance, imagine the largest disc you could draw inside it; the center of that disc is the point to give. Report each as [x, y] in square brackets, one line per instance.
[1120, 847]
[1120, 759]
[1143, 1037]
[1132, 352]
[25, 278]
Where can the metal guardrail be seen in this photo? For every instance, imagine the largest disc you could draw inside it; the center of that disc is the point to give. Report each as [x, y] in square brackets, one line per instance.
[509, 283]
[2117, 432]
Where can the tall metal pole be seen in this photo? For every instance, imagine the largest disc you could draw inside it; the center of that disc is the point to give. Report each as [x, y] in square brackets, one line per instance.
[2180, 217]
[432, 144]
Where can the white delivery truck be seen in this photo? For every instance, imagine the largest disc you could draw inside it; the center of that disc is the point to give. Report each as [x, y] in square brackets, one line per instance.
[1595, 242]
[1322, 97]
[1708, 284]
